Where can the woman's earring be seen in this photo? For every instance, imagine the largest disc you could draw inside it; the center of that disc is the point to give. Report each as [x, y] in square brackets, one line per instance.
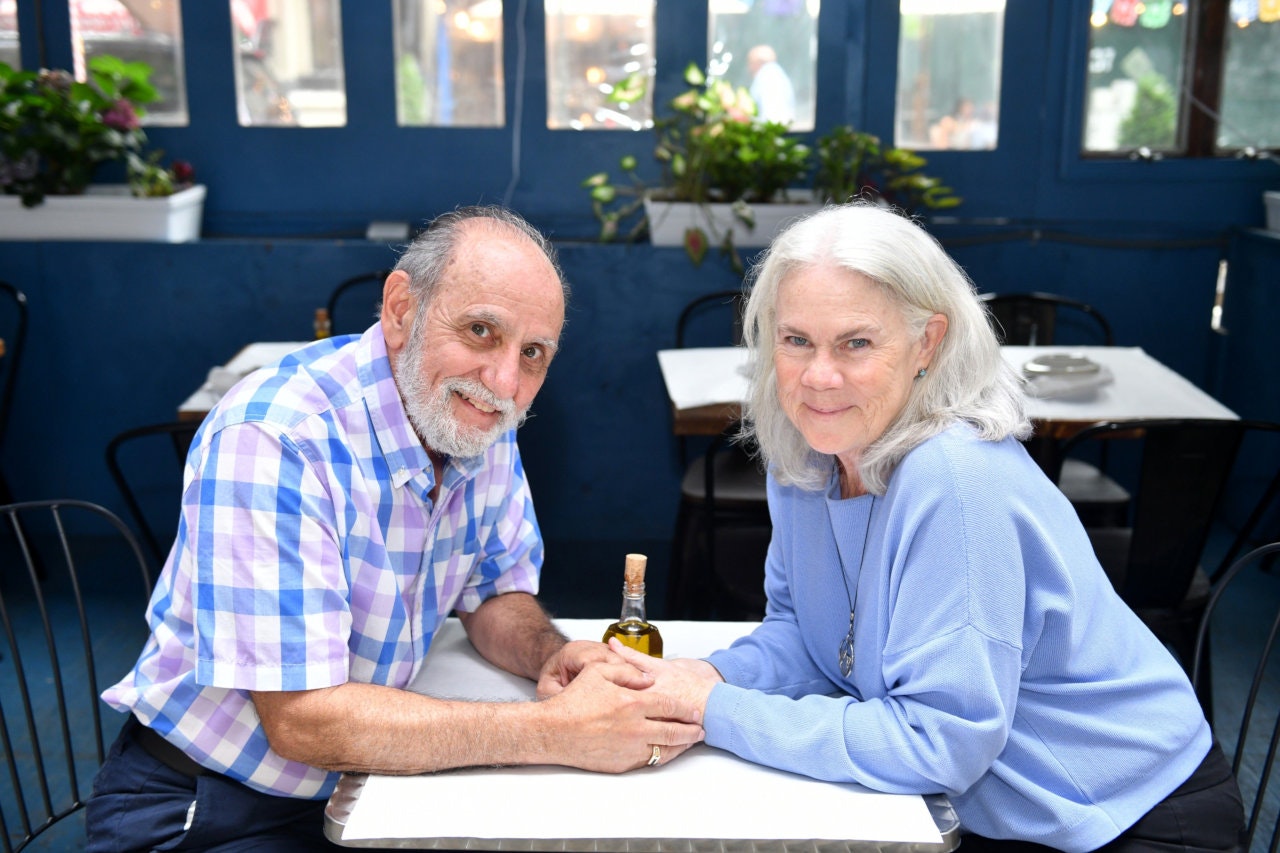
[923, 372]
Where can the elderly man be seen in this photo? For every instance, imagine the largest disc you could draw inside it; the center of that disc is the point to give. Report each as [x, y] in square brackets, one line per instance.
[337, 507]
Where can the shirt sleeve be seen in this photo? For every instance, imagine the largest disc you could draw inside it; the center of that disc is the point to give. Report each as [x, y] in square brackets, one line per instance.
[512, 552]
[270, 593]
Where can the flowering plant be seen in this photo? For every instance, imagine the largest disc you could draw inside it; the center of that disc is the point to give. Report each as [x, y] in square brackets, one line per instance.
[55, 131]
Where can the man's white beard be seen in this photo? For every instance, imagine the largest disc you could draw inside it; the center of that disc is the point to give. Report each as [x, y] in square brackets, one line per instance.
[431, 410]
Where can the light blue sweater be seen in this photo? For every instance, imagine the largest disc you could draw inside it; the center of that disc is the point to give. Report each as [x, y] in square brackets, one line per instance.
[993, 660]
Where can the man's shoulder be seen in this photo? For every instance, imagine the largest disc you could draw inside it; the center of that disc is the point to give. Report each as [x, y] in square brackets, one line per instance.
[318, 379]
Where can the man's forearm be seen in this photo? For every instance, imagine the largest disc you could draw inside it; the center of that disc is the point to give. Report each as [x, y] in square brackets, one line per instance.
[514, 632]
[371, 728]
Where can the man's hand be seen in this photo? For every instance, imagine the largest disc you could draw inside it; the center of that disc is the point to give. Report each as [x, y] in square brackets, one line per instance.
[572, 658]
[598, 723]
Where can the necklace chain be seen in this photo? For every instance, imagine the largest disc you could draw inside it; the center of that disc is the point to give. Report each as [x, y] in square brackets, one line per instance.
[846, 645]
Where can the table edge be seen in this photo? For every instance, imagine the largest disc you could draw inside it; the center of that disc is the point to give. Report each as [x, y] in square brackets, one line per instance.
[347, 791]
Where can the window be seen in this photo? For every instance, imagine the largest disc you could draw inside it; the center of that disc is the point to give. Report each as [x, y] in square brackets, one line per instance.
[288, 63]
[599, 64]
[1199, 78]
[9, 44]
[141, 32]
[449, 62]
[949, 74]
[770, 49]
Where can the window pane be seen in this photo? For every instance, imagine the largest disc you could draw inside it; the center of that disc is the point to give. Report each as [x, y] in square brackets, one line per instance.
[143, 32]
[449, 62]
[1251, 81]
[9, 53]
[770, 49]
[599, 64]
[289, 63]
[949, 73]
[1136, 61]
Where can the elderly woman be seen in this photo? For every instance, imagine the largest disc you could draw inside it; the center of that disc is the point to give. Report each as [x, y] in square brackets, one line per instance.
[937, 620]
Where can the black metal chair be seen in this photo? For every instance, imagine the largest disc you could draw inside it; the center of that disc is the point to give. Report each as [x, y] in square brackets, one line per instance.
[722, 527]
[142, 464]
[51, 733]
[1155, 562]
[1258, 733]
[13, 341]
[363, 292]
[1035, 318]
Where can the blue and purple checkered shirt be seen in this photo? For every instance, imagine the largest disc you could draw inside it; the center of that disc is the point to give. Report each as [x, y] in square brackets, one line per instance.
[310, 554]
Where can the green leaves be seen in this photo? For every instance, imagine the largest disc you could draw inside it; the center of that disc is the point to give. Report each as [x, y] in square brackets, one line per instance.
[55, 131]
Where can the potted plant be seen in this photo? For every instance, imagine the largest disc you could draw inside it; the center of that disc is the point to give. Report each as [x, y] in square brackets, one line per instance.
[55, 133]
[731, 180]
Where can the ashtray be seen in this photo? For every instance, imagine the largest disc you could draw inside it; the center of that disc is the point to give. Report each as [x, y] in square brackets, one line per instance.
[1061, 364]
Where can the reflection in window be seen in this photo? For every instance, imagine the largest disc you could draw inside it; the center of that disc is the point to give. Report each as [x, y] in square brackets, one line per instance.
[949, 74]
[140, 32]
[10, 53]
[1136, 62]
[288, 63]
[449, 62]
[770, 49]
[1251, 78]
[599, 64]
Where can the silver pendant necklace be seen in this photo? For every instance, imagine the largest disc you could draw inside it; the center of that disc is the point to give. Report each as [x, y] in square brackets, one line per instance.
[846, 645]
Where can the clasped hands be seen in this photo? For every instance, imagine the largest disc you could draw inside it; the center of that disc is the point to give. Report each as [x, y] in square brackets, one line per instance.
[617, 704]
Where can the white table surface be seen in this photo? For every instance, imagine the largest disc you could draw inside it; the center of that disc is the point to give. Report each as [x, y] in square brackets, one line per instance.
[1141, 386]
[246, 361]
[704, 794]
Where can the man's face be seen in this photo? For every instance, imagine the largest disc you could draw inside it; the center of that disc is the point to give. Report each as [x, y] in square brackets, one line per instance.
[469, 363]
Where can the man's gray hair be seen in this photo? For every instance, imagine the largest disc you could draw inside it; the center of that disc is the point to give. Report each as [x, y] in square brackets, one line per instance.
[967, 380]
[430, 252]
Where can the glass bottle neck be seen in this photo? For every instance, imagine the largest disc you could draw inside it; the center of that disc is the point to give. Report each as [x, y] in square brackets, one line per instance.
[632, 603]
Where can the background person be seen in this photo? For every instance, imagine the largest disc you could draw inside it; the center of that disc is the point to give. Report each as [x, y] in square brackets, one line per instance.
[936, 620]
[771, 87]
[337, 507]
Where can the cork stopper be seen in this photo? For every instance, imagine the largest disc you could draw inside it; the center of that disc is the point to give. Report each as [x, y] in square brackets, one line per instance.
[634, 572]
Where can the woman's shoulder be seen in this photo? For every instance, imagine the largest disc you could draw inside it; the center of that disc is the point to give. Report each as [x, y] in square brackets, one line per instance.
[957, 458]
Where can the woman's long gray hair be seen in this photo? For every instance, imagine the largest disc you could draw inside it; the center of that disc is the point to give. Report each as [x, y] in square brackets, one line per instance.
[967, 380]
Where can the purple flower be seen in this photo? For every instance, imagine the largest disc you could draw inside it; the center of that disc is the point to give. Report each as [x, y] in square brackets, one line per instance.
[121, 116]
[183, 172]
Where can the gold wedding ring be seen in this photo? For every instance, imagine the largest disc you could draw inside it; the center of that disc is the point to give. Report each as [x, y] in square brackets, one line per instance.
[657, 755]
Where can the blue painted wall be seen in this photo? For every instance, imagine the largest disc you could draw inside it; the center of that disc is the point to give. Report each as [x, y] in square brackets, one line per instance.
[121, 333]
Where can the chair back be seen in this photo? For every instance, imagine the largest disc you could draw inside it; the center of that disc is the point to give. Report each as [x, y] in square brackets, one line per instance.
[1253, 597]
[1184, 468]
[353, 304]
[13, 341]
[147, 464]
[54, 651]
[716, 317]
[1040, 319]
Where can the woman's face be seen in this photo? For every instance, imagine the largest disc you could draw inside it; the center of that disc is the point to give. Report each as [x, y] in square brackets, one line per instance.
[845, 359]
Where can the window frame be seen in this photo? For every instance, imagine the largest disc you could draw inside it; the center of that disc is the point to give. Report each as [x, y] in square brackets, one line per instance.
[1124, 167]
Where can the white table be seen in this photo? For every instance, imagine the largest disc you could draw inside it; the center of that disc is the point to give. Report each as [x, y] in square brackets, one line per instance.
[703, 381]
[707, 799]
[222, 377]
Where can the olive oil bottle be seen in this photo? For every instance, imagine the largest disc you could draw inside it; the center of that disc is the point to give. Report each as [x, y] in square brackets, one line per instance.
[632, 628]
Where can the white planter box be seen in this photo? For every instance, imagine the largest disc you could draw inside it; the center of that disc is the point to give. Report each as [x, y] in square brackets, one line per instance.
[668, 220]
[105, 212]
[1272, 199]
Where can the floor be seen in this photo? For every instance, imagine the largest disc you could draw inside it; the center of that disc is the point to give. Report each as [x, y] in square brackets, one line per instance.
[118, 620]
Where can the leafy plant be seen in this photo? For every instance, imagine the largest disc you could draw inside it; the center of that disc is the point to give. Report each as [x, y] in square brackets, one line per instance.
[713, 149]
[56, 131]
[852, 163]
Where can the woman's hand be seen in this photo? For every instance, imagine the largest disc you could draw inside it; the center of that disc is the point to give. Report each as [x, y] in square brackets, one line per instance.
[686, 680]
[565, 665]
